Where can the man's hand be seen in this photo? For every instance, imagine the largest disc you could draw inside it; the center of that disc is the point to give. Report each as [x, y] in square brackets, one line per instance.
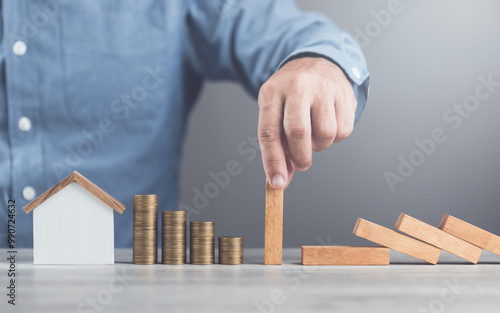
[306, 105]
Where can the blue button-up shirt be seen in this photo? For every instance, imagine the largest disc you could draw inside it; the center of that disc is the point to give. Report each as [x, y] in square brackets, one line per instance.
[105, 87]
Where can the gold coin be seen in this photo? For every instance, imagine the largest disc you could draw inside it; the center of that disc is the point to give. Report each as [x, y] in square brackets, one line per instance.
[173, 237]
[230, 250]
[145, 229]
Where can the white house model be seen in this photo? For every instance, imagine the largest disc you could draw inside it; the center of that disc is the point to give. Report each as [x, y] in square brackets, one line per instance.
[73, 223]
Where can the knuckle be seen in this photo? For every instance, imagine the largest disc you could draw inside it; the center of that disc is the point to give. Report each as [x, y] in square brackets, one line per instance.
[265, 92]
[341, 97]
[272, 162]
[303, 162]
[325, 84]
[268, 134]
[325, 133]
[318, 147]
[299, 80]
[344, 132]
[296, 132]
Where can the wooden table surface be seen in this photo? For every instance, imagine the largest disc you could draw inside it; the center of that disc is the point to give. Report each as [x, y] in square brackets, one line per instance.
[407, 285]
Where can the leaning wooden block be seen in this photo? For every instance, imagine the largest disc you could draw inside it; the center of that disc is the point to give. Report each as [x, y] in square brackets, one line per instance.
[344, 255]
[438, 238]
[470, 233]
[396, 241]
[274, 226]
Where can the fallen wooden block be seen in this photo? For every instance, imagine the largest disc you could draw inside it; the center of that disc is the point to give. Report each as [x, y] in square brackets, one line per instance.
[396, 241]
[274, 226]
[470, 233]
[344, 255]
[438, 238]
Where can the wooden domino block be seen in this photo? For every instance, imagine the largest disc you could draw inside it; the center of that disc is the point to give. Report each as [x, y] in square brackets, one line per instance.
[344, 255]
[438, 238]
[274, 226]
[470, 233]
[396, 241]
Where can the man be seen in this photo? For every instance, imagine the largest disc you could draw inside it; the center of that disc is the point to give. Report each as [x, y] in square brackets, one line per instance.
[105, 88]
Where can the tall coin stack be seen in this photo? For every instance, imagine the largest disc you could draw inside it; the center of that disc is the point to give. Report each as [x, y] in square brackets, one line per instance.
[202, 243]
[173, 247]
[145, 249]
[231, 250]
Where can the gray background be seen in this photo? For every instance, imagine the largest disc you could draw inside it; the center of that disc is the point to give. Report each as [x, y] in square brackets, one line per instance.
[426, 59]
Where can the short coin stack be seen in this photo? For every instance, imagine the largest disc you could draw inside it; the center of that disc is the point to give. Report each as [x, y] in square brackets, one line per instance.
[202, 243]
[231, 250]
[145, 249]
[173, 237]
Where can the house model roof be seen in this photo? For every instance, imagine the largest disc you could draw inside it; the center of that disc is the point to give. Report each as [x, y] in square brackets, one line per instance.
[85, 183]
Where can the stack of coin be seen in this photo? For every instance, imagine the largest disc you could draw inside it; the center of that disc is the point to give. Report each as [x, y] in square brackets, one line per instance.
[145, 248]
[231, 250]
[202, 243]
[173, 246]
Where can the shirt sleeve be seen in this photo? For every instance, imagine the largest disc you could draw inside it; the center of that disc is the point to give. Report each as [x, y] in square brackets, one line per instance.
[248, 40]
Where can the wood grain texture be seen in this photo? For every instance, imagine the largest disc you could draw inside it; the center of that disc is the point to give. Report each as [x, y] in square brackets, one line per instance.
[274, 226]
[344, 255]
[396, 241]
[438, 238]
[85, 183]
[73, 227]
[470, 233]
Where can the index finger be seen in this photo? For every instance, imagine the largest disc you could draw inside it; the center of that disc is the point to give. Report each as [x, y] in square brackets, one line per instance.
[270, 134]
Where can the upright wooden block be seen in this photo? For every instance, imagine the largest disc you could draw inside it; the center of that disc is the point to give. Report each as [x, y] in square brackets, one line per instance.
[274, 226]
[438, 238]
[396, 241]
[470, 233]
[344, 255]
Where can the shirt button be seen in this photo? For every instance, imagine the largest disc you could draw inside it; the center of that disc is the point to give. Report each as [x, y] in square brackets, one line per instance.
[19, 48]
[24, 124]
[355, 72]
[29, 193]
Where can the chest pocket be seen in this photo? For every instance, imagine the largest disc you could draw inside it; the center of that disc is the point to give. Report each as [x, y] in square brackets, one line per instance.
[107, 48]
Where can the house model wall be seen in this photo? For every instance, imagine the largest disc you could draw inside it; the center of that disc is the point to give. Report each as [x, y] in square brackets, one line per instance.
[73, 223]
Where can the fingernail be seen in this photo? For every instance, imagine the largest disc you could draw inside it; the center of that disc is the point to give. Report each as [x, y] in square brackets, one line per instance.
[278, 182]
